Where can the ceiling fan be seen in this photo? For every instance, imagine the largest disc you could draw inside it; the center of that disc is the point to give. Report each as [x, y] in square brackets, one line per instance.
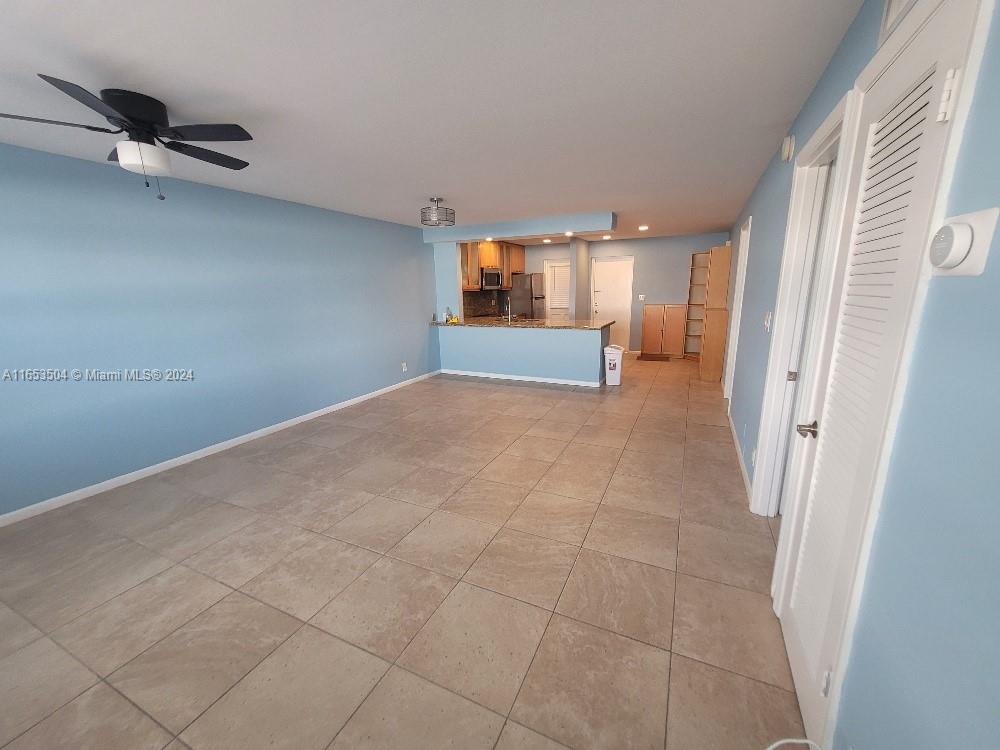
[150, 135]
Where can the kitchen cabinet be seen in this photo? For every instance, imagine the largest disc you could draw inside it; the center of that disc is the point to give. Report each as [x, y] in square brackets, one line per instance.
[511, 262]
[475, 256]
[469, 253]
[663, 330]
[489, 254]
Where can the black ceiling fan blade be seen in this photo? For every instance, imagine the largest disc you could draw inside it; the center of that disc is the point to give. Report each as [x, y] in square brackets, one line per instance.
[59, 122]
[222, 132]
[84, 97]
[113, 156]
[212, 157]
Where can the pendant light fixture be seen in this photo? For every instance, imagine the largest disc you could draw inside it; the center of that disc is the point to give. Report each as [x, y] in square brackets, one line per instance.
[437, 215]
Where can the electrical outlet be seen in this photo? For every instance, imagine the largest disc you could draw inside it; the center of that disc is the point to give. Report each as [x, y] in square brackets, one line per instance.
[493, 302]
[767, 322]
[642, 297]
[404, 366]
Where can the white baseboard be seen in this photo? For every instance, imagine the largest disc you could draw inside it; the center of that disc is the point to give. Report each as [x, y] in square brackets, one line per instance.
[525, 378]
[743, 464]
[109, 484]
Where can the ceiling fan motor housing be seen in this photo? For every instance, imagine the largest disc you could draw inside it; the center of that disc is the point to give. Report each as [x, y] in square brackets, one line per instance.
[143, 158]
[139, 108]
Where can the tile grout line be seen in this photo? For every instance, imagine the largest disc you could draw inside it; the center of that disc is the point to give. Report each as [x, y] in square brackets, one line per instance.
[259, 515]
[394, 662]
[552, 614]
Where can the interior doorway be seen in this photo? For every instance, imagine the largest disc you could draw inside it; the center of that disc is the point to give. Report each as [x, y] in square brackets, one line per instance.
[611, 295]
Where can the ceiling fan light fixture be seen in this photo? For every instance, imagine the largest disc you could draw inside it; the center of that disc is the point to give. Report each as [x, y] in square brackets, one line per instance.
[437, 215]
[143, 158]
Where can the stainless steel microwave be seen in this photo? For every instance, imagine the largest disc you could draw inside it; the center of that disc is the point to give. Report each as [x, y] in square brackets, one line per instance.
[492, 278]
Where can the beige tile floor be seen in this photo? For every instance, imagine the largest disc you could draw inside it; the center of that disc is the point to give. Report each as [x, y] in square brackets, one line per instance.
[460, 563]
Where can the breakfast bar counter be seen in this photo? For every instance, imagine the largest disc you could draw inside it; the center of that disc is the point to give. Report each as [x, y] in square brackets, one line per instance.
[558, 323]
[554, 350]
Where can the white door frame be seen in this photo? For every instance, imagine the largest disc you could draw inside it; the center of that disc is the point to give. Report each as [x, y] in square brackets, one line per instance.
[909, 26]
[733, 337]
[796, 267]
[630, 259]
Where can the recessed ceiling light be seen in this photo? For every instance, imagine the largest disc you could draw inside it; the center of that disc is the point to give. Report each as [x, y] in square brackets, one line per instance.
[643, 227]
[546, 241]
[606, 237]
[489, 239]
[568, 234]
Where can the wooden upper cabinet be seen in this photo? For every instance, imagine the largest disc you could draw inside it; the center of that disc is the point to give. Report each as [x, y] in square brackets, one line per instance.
[511, 262]
[489, 254]
[517, 258]
[469, 253]
[475, 256]
[717, 291]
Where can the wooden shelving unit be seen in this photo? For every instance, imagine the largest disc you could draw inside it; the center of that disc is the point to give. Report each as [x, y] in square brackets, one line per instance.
[694, 328]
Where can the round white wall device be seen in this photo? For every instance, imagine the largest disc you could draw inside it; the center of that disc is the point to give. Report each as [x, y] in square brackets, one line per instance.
[951, 245]
[143, 158]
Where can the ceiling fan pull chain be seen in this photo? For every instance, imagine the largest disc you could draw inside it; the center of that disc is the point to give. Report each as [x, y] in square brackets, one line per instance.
[159, 193]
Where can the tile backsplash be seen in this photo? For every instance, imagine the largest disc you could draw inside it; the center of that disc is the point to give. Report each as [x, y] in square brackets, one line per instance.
[484, 303]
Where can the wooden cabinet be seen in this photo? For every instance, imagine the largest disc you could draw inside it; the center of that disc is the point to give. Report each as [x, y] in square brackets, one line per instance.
[517, 258]
[717, 281]
[509, 258]
[716, 318]
[714, 344]
[511, 262]
[489, 254]
[469, 253]
[663, 330]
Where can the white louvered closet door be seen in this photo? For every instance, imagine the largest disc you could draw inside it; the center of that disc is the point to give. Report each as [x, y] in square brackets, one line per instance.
[896, 168]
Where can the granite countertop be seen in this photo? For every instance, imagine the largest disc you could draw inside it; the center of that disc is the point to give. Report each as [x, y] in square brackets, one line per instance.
[492, 321]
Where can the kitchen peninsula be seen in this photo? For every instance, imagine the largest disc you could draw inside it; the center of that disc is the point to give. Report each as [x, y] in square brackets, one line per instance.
[553, 350]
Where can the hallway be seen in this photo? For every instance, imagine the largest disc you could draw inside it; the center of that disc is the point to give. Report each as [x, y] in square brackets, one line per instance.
[488, 563]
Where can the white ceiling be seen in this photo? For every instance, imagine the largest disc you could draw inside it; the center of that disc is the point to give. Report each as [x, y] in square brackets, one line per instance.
[664, 111]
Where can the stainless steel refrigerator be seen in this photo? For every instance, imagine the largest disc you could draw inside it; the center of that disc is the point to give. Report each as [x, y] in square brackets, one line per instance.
[527, 295]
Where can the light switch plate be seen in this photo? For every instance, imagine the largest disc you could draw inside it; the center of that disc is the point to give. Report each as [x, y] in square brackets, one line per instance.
[642, 297]
[983, 225]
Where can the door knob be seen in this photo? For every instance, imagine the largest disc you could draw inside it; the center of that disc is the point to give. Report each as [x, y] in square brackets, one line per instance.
[808, 430]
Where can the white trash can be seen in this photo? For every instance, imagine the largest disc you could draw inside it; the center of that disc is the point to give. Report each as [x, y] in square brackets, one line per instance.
[613, 356]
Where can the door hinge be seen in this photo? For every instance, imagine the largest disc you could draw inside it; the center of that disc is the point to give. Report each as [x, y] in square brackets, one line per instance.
[825, 687]
[949, 93]
[808, 430]
[792, 376]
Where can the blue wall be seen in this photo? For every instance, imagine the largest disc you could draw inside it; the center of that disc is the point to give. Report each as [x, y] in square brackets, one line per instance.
[536, 255]
[925, 667]
[768, 204]
[279, 308]
[662, 269]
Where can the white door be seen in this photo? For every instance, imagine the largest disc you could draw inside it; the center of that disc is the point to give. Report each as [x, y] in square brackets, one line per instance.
[556, 288]
[611, 295]
[896, 166]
